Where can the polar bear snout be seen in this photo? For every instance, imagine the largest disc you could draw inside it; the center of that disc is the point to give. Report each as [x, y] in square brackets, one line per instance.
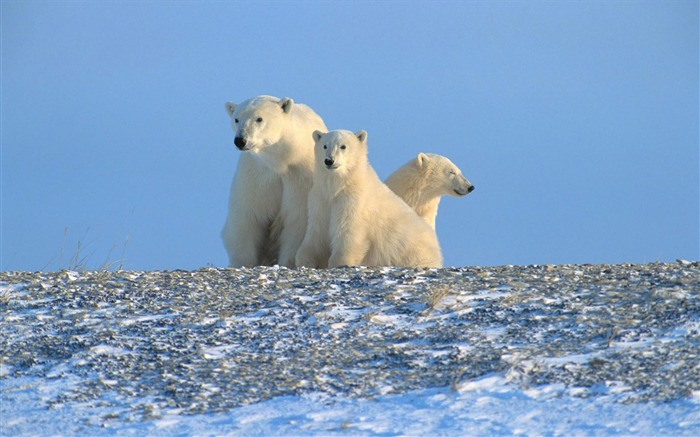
[463, 191]
[240, 142]
[330, 163]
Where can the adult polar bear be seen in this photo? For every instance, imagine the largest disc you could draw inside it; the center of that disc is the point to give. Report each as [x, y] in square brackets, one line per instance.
[267, 216]
[354, 219]
[422, 181]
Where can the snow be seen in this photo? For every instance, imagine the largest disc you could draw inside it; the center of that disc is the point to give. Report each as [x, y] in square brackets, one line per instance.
[585, 350]
[485, 406]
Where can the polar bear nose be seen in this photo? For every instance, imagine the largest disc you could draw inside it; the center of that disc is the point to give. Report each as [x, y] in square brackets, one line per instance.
[328, 162]
[239, 142]
[470, 189]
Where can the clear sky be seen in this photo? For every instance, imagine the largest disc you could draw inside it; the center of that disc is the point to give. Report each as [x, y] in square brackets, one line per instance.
[576, 121]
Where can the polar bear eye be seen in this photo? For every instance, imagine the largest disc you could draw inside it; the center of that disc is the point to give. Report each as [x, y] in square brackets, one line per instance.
[235, 120]
[259, 120]
[343, 147]
[325, 147]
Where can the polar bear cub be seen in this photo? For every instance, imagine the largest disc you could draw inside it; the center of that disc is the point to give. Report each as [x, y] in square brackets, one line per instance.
[354, 219]
[266, 220]
[423, 180]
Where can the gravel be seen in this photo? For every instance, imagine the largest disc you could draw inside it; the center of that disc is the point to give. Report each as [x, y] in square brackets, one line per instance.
[188, 342]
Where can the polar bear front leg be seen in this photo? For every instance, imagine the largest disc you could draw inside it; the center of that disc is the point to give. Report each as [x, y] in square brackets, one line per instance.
[349, 246]
[244, 238]
[290, 241]
[306, 255]
[254, 204]
[294, 223]
[315, 249]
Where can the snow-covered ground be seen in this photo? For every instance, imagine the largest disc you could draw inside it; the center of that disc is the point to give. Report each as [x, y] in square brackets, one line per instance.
[543, 350]
[485, 406]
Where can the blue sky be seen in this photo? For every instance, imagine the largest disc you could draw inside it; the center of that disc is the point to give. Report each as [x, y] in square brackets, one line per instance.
[576, 121]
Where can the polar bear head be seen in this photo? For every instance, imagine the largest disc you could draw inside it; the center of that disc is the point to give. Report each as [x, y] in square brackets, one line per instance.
[259, 122]
[440, 176]
[340, 150]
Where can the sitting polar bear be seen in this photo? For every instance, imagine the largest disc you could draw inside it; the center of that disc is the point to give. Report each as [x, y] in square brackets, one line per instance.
[265, 222]
[423, 180]
[354, 219]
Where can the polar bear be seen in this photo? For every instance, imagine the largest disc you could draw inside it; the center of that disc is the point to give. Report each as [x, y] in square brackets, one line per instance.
[354, 219]
[267, 204]
[423, 180]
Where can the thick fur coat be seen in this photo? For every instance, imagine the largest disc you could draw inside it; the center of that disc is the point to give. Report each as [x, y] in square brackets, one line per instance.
[267, 216]
[422, 181]
[354, 218]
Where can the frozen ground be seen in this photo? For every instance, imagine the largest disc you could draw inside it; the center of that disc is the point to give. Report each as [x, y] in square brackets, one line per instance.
[582, 350]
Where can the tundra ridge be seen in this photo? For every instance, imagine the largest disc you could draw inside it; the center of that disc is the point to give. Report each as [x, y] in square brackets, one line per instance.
[148, 344]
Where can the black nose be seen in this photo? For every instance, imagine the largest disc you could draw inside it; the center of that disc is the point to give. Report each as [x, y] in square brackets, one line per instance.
[239, 142]
[470, 189]
[328, 162]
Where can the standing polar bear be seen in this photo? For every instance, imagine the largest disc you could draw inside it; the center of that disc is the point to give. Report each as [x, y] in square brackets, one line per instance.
[423, 180]
[266, 218]
[354, 219]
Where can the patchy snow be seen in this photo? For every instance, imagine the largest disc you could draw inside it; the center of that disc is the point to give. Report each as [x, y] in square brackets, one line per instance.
[544, 350]
[484, 406]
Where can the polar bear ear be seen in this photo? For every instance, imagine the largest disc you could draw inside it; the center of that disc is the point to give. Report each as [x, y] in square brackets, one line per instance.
[362, 136]
[230, 108]
[317, 135]
[422, 159]
[286, 104]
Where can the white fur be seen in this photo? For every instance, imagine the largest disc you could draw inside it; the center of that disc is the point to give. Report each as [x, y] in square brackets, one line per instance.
[267, 206]
[423, 180]
[354, 219]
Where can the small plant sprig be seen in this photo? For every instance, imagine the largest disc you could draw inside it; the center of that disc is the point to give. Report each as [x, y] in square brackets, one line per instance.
[79, 260]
